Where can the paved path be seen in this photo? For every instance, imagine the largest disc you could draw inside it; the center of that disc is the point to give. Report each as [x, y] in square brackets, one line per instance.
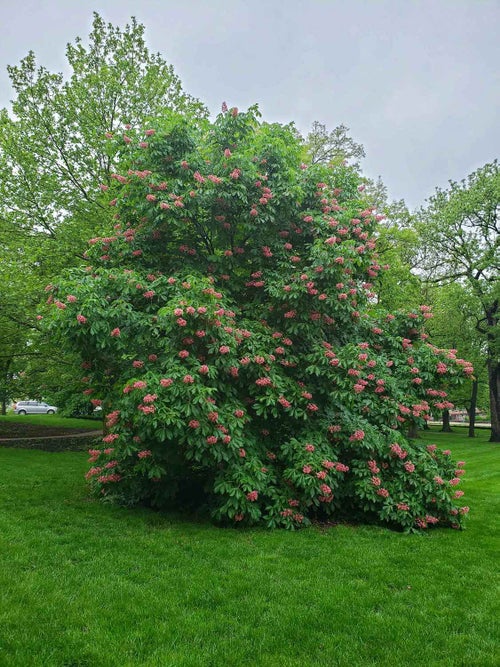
[466, 424]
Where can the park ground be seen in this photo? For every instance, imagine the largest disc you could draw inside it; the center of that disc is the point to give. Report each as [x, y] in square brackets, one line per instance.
[86, 584]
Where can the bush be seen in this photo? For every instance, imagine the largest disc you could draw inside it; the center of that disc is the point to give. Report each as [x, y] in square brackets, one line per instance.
[228, 327]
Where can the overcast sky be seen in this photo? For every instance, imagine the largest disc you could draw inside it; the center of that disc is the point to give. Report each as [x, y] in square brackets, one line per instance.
[416, 81]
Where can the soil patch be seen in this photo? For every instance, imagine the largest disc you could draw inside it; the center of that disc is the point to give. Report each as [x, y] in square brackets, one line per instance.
[57, 443]
[17, 430]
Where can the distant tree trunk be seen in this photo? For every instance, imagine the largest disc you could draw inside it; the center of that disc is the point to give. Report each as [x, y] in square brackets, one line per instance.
[494, 383]
[472, 409]
[446, 421]
[4, 378]
[493, 364]
[413, 431]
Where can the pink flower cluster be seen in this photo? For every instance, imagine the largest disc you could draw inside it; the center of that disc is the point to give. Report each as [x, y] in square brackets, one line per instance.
[113, 477]
[397, 450]
[112, 418]
[147, 409]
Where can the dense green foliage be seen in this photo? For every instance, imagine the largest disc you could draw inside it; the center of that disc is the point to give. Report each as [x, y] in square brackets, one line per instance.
[456, 314]
[226, 324]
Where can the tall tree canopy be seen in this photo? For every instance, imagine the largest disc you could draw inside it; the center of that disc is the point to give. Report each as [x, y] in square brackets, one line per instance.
[54, 154]
[52, 146]
[460, 230]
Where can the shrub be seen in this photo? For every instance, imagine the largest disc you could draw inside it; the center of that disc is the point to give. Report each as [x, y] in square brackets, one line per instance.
[228, 327]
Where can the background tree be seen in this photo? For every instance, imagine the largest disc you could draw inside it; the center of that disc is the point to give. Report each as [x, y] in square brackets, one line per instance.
[333, 147]
[53, 153]
[55, 160]
[460, 234]
[401, 287]
[456, 315]
[19, 297]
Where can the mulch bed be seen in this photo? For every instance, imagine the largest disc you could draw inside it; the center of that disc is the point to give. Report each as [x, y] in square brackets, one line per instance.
[16, 430]
[48, 438]
[55, 444]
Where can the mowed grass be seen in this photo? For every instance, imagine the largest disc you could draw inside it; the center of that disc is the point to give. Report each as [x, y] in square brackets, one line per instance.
[88, 584]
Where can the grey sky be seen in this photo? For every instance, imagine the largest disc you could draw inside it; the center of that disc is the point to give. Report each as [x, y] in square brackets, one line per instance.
[417, 81]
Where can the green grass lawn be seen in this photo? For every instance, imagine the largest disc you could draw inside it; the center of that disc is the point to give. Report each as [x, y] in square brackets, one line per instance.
[88, 584]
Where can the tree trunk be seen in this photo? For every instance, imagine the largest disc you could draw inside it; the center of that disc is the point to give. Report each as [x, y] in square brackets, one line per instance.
[4, 379]
[494, 384]
[493, 365]
[472, 408]
[446, 421]
[413, 431]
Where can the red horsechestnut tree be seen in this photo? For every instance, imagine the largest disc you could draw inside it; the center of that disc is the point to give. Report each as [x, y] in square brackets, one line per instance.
[228, 327]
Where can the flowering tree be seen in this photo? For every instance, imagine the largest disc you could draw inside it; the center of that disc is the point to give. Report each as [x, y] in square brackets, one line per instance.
[226, 325]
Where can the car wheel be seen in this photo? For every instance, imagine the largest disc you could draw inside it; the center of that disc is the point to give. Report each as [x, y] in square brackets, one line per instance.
[21, 412]
[50, 412]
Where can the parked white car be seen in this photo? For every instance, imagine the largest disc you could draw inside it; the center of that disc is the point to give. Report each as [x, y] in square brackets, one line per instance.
[34, 408]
